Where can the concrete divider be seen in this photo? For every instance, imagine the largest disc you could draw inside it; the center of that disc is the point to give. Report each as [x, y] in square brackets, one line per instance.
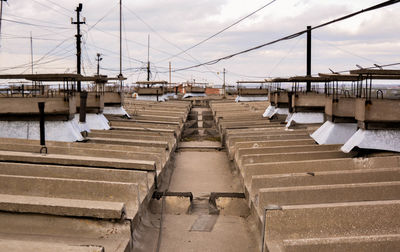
[370, 243]
[160, 118]
[144, 179]
[331, 220]
[129, 142]
[62, 207]
[86, 152]
[271, 143]
[233, 140]
[115, 163]
[324, 178]
[318, 194]
[318, 165]
[266, 132]
[18, 245]
[127, 193]
[115, 135]
[113, 236]
[286, 157]
[284, 149]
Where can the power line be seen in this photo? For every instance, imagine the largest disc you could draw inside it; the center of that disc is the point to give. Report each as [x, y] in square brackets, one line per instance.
[294, 35]
[166, 40]
[36, 25]
[221, 31]
[42, 4]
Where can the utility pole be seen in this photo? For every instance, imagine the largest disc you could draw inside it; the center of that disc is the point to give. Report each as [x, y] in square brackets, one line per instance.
[98, 59]
[78, 42]
[1, 13]
[308, 57]
[224, 86]
[148, 57]
[120, 76]
[31, 54]
[170, 72]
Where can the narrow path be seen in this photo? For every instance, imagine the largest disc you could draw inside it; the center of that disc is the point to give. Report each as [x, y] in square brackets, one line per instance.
[203, 172]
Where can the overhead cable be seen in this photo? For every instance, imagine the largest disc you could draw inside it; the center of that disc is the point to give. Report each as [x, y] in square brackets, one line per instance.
[294, 35]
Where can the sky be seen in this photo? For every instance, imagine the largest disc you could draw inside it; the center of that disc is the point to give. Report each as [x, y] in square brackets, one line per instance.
[175, 25]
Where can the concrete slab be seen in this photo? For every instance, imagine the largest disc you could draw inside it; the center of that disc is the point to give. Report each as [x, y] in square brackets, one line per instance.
[19, 246]
[318, 165]
[324, 178]
[81, 161]
[295, 156]
[74, 151]
[332, 220]
[62, 207]
[283, 149]
[113, 236]
[144, 179]
[127, 193]
[129, 142]
[369, 243]
[301, 195]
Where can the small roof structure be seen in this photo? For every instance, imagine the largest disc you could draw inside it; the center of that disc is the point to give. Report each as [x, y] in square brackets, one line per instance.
[152, 82]
[251, 82]
[376, 72]
[58, 77]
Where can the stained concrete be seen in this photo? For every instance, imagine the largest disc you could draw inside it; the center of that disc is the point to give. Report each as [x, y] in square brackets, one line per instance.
[202, 173]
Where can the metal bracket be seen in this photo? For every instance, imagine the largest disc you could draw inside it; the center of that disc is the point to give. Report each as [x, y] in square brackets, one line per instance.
[44, 148]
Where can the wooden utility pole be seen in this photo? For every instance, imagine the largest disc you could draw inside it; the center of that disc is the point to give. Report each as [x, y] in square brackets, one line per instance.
[170, 72]
[31, 54]
[148, 57]
[224, 86]
[1, 13]
[78, 42]
[120, 76]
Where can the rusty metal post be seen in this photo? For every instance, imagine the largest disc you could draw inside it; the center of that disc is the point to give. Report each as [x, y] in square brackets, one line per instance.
[42, 126]
[82, 108]
[308, 57]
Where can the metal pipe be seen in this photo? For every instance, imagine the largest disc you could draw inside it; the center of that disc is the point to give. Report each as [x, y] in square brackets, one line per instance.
[82, 108]
[42, 122]
[308, 57]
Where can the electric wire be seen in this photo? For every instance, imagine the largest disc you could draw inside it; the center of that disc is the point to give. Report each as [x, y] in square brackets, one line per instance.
[292, 36]
[221, 31]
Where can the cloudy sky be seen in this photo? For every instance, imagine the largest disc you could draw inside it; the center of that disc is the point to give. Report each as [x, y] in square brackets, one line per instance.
[175, 25]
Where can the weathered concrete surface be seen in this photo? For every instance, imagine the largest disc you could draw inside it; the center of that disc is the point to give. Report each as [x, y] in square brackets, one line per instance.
[271, 143]
[139, 138]
[301, 195]
[242, 153]
[286, 157]
[113, 236]
[230, 233]
[324, 178]
[75, 151]
[318, 165]
[17, 246]
[142, 178]
[202, 173]
[72, 160]
[321, 220]
[129, 142]
[127, 193]
[62, 207]
[369, 243]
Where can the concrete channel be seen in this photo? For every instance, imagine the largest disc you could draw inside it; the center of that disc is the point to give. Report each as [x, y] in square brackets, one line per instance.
[204, 208]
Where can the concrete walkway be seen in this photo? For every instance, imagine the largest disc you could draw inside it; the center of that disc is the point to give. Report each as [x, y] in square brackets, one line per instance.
[201, 173]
